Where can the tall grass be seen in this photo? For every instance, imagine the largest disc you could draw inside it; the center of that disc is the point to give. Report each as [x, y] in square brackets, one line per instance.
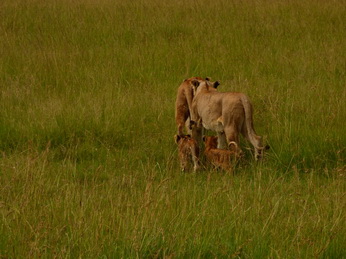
[88, 164]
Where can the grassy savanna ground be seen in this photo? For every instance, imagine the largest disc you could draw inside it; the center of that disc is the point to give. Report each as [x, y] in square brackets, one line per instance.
[88, 165]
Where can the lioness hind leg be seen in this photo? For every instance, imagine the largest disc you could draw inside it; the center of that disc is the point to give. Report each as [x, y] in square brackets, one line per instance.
[233, 137]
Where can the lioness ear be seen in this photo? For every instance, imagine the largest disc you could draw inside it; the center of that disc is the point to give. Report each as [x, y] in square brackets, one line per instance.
[195, 82]
[188, 135]
[216, 84]
[207, 79]
[204, 138]
[176, 138]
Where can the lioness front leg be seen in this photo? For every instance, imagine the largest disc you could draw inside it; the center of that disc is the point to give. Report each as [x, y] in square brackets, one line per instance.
[232, 138]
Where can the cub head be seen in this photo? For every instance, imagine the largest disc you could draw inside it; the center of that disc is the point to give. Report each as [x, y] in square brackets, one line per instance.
[210, 141]
[178, 138]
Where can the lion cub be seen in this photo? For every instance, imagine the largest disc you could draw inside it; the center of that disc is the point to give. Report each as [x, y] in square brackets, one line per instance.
[188, 150]
[220, 158]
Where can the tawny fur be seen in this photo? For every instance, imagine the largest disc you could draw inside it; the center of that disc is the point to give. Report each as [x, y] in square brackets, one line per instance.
[188, 152]
[229, 114]
[183, 105]
[220, 158]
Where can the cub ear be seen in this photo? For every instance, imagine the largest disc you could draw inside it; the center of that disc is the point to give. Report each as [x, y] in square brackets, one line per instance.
[188, 135]
[176, 138]
[207, 78]
[216, 84]
[204, 138]
[195, 82]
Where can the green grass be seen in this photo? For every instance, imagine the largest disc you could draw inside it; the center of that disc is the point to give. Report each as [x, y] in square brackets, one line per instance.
[88, 165]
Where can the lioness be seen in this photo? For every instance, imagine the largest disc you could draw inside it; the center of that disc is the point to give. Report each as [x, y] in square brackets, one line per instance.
[183, 102]
[218, 157]
[188, 150]
[228, 113]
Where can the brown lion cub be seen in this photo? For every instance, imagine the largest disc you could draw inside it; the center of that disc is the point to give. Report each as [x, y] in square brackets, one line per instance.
[188, 150]
[220, 158]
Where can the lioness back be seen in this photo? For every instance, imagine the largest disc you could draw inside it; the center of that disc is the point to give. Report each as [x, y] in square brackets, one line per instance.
[227, 113]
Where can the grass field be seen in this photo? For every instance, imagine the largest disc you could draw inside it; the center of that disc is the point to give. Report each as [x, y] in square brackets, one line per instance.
[88, 164]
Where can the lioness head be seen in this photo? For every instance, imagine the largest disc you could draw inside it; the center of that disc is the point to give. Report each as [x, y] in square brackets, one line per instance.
[207, 82]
